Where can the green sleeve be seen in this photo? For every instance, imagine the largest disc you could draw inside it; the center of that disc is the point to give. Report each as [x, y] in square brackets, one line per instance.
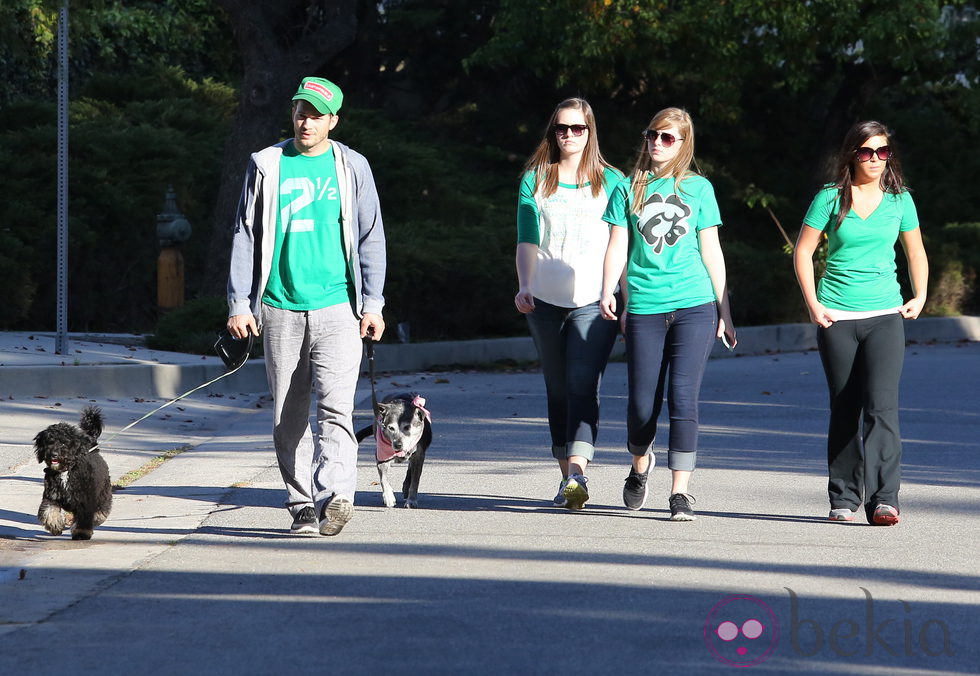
[709, 215]
[610, 179]
[910, 217]
[617, 209]
[822, 212]
[527, 212]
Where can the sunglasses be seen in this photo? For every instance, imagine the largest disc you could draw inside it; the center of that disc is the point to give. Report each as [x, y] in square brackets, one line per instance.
[570, 129]
[864, 153]
[666, 139]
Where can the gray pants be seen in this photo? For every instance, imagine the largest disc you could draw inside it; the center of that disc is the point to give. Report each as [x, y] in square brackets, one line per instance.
[318, 350]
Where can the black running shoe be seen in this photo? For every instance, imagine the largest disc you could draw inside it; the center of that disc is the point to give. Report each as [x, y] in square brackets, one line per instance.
[635, 490]
[304, 523]
[680, 507]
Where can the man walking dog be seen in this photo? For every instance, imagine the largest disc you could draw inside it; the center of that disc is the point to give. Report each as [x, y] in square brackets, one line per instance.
[308, 270]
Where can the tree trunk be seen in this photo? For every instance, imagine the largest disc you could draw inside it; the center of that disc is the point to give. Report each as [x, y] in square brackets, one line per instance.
[280, 44]
[857, 88]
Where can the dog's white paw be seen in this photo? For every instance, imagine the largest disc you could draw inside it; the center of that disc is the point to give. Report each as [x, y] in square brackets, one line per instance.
[388, 496]
[411, 504]
[51, 517]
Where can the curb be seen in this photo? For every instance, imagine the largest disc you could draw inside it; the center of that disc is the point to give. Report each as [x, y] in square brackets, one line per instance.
[128, 380]
[171, 380]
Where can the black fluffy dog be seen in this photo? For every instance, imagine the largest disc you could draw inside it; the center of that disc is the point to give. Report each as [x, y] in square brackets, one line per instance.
[403, 432]
[75, 480]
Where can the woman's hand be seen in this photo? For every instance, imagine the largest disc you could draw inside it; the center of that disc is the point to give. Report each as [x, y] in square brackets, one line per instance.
[912, 309]
[527, 262]
[820, 315]
[607, 306]
[524, 301]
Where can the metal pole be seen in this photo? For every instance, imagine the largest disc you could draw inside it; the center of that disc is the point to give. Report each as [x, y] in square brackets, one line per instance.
[61, 341]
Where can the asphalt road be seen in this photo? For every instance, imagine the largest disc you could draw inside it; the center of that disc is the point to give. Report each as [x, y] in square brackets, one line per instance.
[195, 571]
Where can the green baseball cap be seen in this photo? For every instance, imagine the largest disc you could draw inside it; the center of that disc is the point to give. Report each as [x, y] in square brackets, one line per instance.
[325, 96]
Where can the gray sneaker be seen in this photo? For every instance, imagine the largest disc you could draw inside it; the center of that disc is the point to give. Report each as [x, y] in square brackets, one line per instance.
[559, 500]
[335, 515]
[576, 492]
[885, 515]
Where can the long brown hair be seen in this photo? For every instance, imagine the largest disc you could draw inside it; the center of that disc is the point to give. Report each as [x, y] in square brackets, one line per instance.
[679, 167]
[841, 166]
[544, 160]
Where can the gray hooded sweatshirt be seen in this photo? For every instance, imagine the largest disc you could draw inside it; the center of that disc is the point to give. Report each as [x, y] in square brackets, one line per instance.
[255, 226]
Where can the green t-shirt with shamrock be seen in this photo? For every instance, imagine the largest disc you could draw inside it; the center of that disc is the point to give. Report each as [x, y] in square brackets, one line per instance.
[664, 270]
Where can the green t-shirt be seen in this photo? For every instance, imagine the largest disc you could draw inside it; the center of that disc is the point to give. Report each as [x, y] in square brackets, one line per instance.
[664, 271]
[861, 273]
[309, 270]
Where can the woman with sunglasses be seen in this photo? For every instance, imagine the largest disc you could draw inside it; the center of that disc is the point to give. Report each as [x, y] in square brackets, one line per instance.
[561, 238]
[665, 234]
[858, 308]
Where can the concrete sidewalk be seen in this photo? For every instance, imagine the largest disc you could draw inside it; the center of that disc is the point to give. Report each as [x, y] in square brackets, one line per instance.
[195, 572]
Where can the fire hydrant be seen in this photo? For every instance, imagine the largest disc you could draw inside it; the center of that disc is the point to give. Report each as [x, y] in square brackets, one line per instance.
[172, 229]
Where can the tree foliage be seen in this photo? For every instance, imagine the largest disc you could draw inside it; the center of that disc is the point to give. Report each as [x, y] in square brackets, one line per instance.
[108, 37]
[446, 99]
[130, 139]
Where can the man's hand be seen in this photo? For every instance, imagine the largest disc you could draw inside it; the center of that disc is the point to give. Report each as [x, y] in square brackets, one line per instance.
[239, 326]
[372, 325]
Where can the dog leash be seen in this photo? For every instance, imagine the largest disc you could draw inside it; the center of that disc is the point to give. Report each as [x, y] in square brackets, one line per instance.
[175, 400]
[369, 342]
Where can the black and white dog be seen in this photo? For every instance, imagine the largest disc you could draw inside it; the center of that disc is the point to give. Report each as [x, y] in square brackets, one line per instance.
[76, 479]
[403, 431]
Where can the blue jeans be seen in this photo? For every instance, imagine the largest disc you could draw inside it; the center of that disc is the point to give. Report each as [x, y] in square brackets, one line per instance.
[676, 343]
[573, 346]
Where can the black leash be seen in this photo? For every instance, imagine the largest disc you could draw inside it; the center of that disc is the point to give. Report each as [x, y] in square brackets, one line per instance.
[369, 342]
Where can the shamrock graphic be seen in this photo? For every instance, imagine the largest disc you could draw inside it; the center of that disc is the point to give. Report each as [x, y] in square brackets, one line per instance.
[663, 221]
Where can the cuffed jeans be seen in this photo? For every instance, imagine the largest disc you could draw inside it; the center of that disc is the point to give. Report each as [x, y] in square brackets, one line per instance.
[863, 361]
[573, 346]
[318, 350]
[669, 349]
